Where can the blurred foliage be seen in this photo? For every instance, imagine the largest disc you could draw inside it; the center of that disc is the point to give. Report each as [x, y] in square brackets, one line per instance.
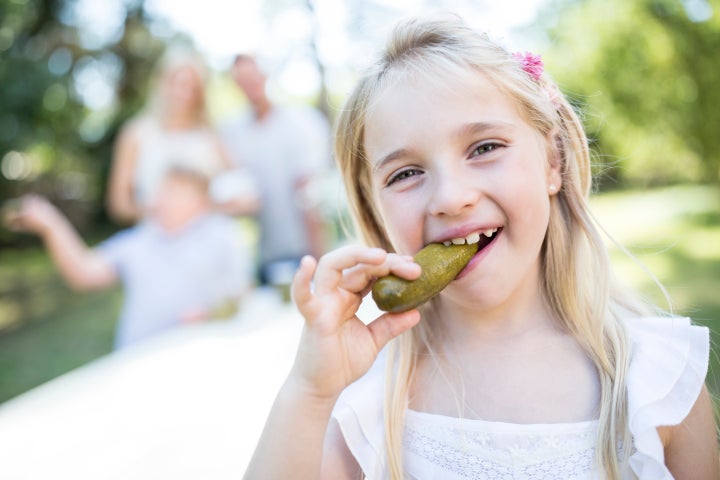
[645, 74]
[60, 330]
[66, 89]
[643, 71]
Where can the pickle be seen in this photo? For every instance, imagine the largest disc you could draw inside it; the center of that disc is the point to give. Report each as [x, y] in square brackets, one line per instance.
[440, 265]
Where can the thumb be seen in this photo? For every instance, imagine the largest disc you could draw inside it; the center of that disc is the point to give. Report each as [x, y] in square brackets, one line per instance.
[390, 325]
[302, 283]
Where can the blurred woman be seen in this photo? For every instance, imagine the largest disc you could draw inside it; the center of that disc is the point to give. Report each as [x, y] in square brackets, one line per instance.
[173, 124]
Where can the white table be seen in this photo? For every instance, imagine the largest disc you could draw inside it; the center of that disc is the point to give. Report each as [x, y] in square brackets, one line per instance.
[189, 404]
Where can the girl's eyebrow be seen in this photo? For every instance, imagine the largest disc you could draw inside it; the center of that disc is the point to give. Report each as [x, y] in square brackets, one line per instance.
[475, 128]
[401, 152]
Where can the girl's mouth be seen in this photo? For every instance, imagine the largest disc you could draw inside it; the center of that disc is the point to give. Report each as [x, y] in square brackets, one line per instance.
[483, 238]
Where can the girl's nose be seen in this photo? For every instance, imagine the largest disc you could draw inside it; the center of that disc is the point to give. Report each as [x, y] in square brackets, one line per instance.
[453, 193]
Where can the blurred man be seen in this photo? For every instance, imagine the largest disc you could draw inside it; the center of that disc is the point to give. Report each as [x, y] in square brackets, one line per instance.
[285, 148]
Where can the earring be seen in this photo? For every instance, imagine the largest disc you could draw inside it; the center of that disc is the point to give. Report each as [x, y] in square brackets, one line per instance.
[552, 188]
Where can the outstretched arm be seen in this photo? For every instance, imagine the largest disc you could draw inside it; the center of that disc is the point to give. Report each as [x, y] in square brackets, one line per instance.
[82, 268]
[691, 448]
[336, 348]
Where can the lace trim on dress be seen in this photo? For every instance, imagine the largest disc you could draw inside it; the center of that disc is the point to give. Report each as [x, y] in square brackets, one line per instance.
[489, 453]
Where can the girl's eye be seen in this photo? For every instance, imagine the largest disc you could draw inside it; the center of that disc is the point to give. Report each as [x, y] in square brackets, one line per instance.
[485, 148]
[402, 175]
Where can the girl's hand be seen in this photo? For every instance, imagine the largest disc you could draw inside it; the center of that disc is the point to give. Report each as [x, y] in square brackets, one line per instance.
[337, 347]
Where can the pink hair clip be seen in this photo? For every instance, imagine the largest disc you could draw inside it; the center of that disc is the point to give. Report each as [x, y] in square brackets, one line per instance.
[532, 64]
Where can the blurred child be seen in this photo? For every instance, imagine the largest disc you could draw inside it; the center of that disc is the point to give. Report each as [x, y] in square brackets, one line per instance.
[177, 266]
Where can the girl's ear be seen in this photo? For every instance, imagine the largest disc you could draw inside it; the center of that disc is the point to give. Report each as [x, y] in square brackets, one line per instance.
[555, 160]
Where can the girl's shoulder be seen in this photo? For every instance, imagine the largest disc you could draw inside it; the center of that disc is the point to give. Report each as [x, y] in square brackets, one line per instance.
[665, 351]
[667, 368]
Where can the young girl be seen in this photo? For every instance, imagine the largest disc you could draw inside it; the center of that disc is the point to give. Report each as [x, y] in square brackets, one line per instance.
[532, 363]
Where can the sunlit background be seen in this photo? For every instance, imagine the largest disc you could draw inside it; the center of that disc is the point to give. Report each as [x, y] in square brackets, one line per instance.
[644, 73]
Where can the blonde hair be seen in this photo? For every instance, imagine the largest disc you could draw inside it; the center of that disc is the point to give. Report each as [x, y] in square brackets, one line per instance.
[174, 59]
[576, 277]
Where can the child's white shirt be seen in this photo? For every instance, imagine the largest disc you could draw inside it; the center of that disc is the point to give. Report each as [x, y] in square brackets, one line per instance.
[668, 364]
[166, 276]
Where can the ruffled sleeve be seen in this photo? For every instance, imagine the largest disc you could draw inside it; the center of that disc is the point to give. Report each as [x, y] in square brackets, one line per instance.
[359, 414]
[668, 365]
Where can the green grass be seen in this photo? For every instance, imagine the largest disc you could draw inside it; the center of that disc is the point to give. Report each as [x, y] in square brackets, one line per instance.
[675, 233]
[45, 328]
[80, 332]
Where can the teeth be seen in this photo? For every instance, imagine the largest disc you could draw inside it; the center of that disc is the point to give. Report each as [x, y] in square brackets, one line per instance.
[472, 238]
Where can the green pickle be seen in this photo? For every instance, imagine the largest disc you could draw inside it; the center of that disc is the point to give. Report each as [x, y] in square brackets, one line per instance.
[440, 265]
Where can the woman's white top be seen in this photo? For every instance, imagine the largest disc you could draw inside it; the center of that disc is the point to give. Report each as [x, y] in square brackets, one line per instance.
[668, 364]
[159, 150]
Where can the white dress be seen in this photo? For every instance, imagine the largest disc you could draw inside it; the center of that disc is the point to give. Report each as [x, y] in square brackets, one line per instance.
[669, 361]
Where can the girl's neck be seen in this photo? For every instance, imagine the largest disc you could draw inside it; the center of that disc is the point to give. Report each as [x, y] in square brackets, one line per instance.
[490, 333]
[512, 363]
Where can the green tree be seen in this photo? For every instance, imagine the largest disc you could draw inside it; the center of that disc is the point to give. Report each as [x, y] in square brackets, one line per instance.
[64, 94]
[645, 74]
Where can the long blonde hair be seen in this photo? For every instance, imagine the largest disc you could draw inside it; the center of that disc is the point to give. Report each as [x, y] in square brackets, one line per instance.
[576, 277]
[173, 60]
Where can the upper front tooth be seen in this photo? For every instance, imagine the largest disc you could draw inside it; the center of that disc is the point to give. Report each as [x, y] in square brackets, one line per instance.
[473, 238]
[447, 243]
[458, 241]
[489, 232]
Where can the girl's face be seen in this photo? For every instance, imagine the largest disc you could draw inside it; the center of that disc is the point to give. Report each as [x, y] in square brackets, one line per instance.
[458, 159]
